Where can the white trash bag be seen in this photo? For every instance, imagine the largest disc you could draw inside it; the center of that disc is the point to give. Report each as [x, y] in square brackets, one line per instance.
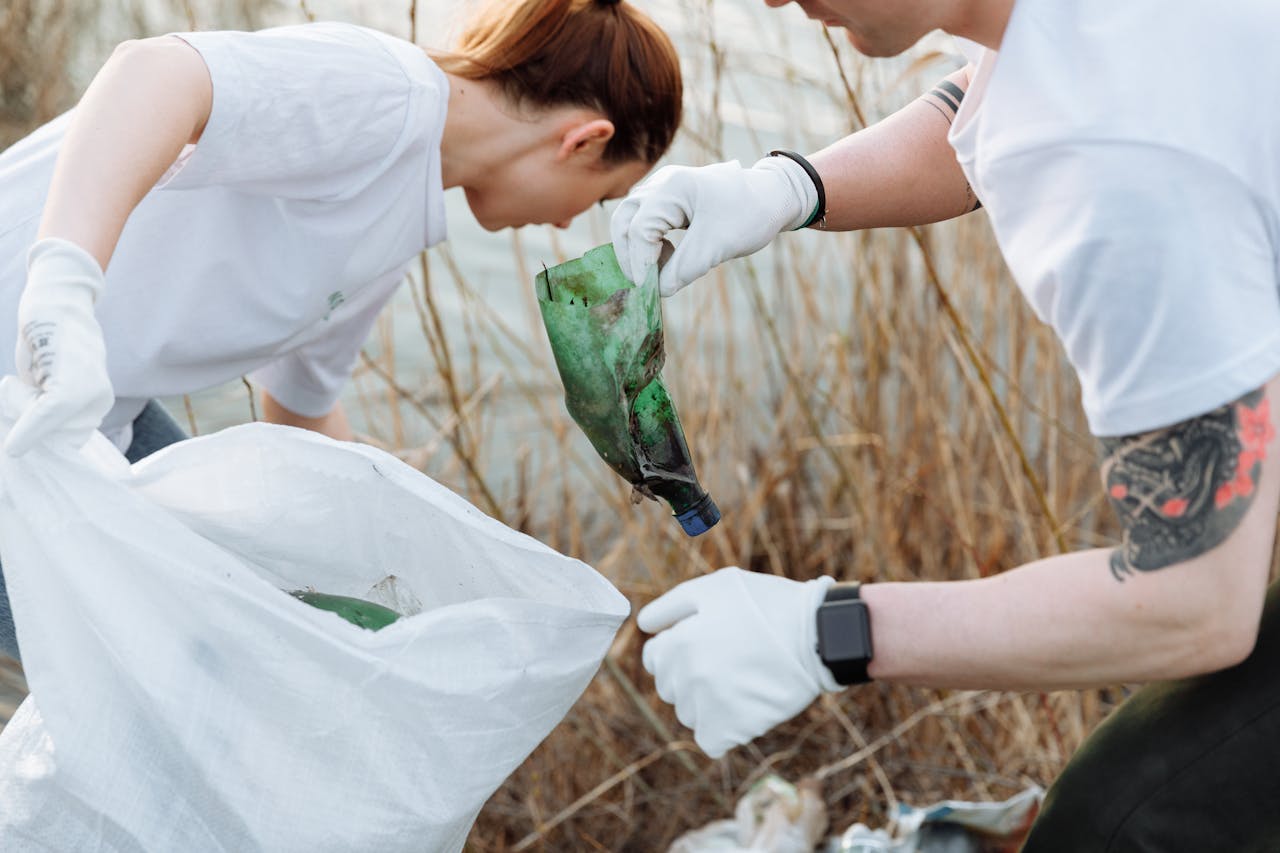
[180, 701]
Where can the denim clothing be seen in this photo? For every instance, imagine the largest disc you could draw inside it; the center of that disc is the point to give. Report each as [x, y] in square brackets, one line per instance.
[152, 430]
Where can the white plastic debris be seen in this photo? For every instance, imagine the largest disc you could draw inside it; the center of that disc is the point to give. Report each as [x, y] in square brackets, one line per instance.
[778, 817]
[774, 817]
[952, 826]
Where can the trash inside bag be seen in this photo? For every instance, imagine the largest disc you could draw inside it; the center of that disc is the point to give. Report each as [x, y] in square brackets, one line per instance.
[606, 336]
[357, 611]
[181, 701]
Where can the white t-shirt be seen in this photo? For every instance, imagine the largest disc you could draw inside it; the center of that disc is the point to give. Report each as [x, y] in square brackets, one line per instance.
[1129, 158]
[271, 245]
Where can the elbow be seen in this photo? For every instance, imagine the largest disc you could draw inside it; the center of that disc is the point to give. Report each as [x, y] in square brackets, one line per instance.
[1212, 607]
[1222, 647]
[1224, 635]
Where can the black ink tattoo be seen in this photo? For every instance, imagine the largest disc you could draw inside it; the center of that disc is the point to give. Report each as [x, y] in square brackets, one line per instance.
[939, 100]
[956, 91]
[1182, 490]
[950, 95]
[971, 197]
[946, 98]
[942, 96]
[941, 111]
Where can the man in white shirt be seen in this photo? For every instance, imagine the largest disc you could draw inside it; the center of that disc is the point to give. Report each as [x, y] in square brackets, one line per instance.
[1133, 183]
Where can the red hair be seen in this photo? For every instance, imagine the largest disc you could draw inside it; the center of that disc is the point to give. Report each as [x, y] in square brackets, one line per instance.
[606, 56]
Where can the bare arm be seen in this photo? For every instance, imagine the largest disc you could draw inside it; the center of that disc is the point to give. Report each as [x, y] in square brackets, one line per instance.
[334, 424]
[150, 99]
[900, 171]
[1182, 596]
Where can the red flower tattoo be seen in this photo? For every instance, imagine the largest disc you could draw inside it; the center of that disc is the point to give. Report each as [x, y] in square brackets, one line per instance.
[1181, 491]
[1243, 484]
[1256, 430]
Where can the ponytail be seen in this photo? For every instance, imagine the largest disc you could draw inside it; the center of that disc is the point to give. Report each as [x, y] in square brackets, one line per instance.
[605, 55]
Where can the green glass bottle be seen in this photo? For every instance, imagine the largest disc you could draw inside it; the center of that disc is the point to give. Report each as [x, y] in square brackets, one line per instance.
[606, 336]
[357, 611]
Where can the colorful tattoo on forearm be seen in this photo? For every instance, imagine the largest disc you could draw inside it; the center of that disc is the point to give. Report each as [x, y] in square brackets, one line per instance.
[1181, 491]
[946, 98]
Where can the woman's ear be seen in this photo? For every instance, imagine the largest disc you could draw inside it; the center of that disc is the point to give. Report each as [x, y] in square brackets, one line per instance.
[585, 140]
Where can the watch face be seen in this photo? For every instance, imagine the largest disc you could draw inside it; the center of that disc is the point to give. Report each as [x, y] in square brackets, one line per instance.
[843, 632]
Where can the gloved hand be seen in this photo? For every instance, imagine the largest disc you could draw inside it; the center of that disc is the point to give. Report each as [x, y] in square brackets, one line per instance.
[737, 653]
[60, 349]
[729, 212]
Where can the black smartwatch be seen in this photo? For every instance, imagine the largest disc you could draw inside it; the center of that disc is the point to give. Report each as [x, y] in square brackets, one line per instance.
[844, 634]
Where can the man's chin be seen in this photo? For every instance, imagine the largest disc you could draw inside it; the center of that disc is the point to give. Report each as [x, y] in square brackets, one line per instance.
[488, 219]
[876, 50]
[491, 223]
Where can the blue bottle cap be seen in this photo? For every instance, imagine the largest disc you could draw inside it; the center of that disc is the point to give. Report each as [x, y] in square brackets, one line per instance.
[699, 518]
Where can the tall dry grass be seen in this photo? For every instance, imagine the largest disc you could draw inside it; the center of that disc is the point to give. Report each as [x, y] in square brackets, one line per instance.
[36, 38]
[908, 420]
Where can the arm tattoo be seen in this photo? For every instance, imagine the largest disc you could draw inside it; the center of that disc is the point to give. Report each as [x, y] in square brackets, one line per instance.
[1181, 491]
[971, 196]
[946, 98]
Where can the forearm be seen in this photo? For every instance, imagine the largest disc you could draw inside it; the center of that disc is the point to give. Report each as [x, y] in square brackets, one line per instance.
[148, 101]
[334, 424]
[1066, 622]
[1181, 596]
[900, 171]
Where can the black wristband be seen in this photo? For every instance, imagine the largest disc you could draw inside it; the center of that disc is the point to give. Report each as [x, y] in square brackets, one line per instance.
[819, 212]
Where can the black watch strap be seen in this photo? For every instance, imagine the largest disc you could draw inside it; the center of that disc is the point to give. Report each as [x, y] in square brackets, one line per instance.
[847, 591]
[844, 634]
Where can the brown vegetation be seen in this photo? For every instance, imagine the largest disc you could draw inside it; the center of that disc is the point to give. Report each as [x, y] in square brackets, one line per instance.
[35, 48]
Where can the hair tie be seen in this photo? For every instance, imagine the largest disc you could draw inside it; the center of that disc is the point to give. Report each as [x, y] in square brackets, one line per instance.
[607, 3]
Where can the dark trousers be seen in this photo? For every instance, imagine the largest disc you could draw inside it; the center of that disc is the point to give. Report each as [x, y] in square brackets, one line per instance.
[1190, 765]
[152, 430]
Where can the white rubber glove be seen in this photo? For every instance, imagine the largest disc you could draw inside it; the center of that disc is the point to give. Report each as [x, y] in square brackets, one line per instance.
[729, 212]
[737, 653]
[60, 349]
